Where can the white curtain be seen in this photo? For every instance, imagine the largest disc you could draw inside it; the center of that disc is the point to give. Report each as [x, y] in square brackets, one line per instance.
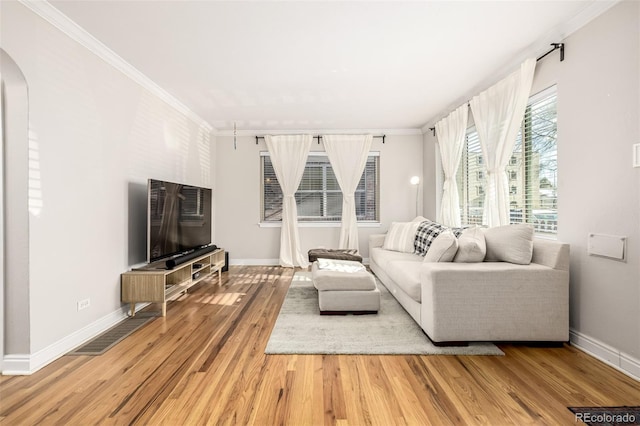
[451, 132]
[498, 113]
[289, 156]
[348, 156]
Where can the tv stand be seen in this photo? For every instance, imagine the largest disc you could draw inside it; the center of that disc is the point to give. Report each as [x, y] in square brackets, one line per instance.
[154, 283]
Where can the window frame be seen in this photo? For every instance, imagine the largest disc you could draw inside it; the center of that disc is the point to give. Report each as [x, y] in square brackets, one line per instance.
[329, 223]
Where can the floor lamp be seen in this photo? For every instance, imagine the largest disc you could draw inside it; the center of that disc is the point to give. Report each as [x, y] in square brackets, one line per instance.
[415, 180]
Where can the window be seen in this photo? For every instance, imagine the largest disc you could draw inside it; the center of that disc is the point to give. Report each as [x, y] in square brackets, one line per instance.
[319, 198]
[532, 170]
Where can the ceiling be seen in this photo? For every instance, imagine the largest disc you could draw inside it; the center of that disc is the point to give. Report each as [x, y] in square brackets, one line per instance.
[328, 65]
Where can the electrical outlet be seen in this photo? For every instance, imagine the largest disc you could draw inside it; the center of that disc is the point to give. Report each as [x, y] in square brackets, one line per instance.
[84, 304]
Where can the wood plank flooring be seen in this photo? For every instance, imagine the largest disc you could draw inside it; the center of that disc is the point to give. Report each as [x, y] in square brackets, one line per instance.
[204, 363]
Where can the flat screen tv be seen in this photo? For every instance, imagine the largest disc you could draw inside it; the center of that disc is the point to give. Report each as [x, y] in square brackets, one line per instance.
[178, 219]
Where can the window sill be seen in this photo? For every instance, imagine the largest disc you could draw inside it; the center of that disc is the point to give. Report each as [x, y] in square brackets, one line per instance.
[318, 224]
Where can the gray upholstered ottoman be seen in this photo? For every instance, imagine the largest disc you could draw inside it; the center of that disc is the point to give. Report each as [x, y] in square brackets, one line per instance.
[341, 292]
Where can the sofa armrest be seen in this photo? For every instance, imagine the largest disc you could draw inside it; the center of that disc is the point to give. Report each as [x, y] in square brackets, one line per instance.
[376, 240]
[494, 301]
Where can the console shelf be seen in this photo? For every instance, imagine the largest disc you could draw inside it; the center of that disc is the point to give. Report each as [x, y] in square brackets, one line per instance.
[154, 283]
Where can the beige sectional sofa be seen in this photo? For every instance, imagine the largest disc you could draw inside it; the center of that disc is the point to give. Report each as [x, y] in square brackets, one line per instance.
[482, 301]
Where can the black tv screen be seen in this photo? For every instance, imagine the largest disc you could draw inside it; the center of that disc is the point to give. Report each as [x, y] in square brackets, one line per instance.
[178, 219]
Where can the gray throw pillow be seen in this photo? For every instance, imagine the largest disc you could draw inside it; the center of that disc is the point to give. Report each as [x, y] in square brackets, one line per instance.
[471, 246]
[443, 248]
[509, 243]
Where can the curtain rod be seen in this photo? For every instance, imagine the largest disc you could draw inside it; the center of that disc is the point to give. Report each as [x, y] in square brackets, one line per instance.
[320, 136]
[555, 47]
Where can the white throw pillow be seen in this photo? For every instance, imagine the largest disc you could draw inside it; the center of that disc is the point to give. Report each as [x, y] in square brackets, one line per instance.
[471, 246]
[400, 236]
[509, 243]
[443, 248]
[419, 219]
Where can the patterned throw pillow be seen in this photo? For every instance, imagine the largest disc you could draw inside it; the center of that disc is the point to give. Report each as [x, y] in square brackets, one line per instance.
[426, 233]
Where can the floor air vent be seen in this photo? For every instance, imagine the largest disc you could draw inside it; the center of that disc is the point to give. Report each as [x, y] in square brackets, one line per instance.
[102, 343]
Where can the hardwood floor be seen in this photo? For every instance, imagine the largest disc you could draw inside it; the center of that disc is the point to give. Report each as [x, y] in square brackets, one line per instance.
[204, 363]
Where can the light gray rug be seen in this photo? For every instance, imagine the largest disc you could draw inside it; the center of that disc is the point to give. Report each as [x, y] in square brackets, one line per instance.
[300, 329]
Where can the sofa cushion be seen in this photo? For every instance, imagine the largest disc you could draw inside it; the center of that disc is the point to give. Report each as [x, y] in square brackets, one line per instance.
[426, 233]
[509, 243]
[471, 246]
[443, 248]
[400, 236]
[406, 274]
[382, 257]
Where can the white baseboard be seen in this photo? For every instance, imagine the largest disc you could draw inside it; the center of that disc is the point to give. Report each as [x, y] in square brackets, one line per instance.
[26, 364]
[257, 262]
[609, 355]
[268, 262]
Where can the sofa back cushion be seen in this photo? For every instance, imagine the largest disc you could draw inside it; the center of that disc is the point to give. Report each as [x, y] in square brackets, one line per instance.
[401, 236]
[471, 246]
[509, 243]
[443, 248]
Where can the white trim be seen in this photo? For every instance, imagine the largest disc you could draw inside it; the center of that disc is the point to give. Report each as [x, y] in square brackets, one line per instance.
[25, 364]
[608, 354]
[592, 11]
[59, 20]
[334, 224]
[267, 262]
[16, 365]
[257, 262]
[321, 154]
[537, 48]
[2, 191]
[316, 132]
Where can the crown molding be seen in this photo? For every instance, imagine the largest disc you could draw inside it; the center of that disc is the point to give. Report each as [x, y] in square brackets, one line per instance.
[590, 12]
[387, 132]
[62, 22]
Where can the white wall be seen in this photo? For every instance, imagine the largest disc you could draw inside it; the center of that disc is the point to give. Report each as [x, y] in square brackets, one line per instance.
[238, 202]
[599, 191]
[95, 137]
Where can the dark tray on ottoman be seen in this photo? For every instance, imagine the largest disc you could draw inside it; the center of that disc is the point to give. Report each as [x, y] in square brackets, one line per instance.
[340, 254]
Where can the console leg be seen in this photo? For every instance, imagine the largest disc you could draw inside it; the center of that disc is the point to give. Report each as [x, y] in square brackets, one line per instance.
[133, 309]
[164, 309]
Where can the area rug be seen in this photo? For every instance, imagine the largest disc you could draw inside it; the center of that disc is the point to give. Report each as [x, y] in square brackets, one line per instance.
[300, 329]
[607, 416]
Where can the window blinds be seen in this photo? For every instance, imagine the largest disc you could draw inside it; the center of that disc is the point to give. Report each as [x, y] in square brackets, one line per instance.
[319, 197]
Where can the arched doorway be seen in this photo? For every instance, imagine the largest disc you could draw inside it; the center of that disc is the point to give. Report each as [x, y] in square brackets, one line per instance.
[15, 327]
